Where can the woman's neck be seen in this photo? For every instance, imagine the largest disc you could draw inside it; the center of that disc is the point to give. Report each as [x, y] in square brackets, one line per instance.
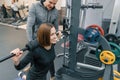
[47, 47]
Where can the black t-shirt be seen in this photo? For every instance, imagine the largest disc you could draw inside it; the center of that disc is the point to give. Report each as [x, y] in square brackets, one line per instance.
[42, 60]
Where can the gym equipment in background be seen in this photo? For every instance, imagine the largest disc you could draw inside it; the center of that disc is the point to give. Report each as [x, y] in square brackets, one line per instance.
[111, 37]
[99, 28]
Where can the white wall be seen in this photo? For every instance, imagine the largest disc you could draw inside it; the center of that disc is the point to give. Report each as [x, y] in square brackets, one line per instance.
[60, 3]
[1, 2]
[108, 8]
[63, 3]
[95, 16]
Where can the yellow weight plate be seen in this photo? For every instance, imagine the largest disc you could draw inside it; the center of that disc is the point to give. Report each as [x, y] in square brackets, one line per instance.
[107, 57]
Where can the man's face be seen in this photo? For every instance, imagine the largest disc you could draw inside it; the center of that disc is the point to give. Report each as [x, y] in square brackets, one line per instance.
[50, 4]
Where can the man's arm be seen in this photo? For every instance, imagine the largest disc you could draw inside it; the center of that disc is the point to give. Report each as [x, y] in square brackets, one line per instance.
[56, 21]
[31, 22]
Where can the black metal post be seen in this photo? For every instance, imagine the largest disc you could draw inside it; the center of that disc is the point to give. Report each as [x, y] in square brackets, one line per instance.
[75, 13]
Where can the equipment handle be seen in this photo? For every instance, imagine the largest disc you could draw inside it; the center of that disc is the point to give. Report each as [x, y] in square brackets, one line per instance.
[11, 55]
[92, 6]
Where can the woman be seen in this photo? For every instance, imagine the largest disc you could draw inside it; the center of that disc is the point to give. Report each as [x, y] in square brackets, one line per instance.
[42, 58]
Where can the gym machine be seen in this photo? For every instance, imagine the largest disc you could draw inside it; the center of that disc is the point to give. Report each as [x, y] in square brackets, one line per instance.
[114, 24]
[82, 71]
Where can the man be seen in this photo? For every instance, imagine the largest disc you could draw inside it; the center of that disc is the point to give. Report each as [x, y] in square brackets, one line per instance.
[41, 12]
[15, 10]
[4, 10]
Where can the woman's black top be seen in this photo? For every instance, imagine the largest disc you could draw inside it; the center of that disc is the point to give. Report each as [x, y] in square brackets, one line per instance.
[42, 61]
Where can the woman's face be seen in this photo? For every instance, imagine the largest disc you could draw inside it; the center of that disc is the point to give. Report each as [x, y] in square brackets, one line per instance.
[53, 36]
[50, 4]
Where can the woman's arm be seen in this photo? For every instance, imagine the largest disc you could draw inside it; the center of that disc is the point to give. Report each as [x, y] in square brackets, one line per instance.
[20, 64]
[52, 70]
[25, 61]
[18, 55]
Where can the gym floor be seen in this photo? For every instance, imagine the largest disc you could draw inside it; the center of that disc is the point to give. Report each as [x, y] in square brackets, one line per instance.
[10, 38]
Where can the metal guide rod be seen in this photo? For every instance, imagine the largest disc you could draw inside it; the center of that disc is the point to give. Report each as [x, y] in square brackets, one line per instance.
[115, 17]
[90, 66]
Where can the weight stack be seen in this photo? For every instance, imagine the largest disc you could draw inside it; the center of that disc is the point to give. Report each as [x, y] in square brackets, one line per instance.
[91, 59]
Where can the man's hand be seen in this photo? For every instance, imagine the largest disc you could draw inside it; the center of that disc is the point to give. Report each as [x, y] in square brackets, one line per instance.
[59, 34]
